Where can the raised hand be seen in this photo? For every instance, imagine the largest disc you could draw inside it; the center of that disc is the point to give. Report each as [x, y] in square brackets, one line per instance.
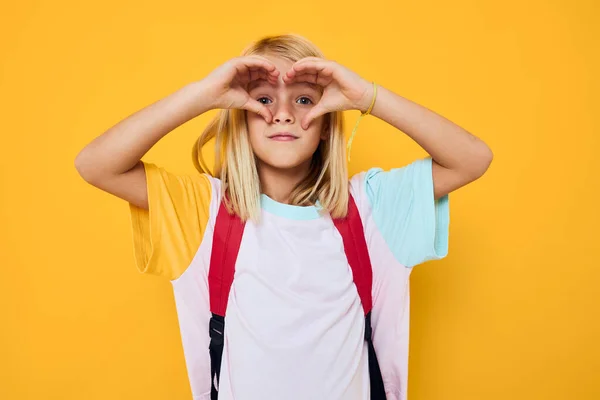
[343, 89]
[227, 83]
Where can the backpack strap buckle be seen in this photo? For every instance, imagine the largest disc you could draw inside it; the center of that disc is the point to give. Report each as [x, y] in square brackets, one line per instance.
[216, 328]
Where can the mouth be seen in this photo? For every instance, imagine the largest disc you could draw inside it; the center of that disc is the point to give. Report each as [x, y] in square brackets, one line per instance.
[283, 136]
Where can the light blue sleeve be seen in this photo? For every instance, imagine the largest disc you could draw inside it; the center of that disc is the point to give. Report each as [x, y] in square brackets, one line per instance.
[414, 226]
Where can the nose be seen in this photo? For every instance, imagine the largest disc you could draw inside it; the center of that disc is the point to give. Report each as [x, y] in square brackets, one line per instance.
[283, 114]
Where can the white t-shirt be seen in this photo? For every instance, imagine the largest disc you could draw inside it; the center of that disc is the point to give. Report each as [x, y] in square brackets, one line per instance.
[294, 322]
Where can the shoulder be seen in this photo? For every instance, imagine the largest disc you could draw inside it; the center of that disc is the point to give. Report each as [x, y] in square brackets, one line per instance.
[373, 180]
[168, 176]
[191, 193]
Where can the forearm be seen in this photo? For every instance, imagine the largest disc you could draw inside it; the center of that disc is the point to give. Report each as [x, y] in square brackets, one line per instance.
[122, 146]
[448, 144]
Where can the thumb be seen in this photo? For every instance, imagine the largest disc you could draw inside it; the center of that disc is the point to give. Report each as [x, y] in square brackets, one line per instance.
[258, 108]
[314, 113]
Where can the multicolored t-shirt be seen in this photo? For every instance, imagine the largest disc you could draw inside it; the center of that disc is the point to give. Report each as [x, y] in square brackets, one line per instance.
[294, 320]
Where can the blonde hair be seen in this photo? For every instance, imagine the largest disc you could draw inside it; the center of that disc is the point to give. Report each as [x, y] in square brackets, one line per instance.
[235, 163]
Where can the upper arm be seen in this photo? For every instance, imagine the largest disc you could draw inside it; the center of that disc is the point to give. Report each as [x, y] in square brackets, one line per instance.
[130, 185]
[447, 180]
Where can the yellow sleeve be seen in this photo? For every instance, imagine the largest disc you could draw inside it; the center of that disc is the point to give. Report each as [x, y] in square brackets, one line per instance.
[167, 236]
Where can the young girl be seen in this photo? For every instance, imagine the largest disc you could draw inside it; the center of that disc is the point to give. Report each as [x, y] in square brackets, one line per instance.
[296, 316]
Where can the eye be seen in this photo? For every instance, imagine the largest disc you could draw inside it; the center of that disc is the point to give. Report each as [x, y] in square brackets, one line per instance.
[305, 100]
[260, 100]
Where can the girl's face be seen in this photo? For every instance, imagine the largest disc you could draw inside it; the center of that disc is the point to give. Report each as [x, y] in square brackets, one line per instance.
[283, 143]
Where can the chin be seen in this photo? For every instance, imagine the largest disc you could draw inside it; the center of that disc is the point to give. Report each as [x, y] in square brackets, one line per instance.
[282, 162]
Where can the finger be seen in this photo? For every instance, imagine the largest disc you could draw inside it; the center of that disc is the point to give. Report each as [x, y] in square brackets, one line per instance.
[256, 107]
[262, 75]
[306, 59]
[314, 66]
[314, 113]
[272, 73]
[321, 80]
[244, 66]
[246, 76]
[320, 74]
[256, 61]
[259, 75]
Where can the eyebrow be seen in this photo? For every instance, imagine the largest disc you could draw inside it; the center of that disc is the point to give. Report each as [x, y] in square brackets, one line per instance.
[260, 82]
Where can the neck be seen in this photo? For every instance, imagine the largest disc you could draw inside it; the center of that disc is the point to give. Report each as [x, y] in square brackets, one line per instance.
[279, 183]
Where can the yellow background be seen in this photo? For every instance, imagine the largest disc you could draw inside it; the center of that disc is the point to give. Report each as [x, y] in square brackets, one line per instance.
[511, 313]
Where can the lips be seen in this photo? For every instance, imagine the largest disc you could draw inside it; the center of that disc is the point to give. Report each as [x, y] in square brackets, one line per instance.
[283, 136]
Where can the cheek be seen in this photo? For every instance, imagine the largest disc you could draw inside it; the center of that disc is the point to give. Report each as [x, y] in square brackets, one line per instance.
[315, 130]
[256, 124]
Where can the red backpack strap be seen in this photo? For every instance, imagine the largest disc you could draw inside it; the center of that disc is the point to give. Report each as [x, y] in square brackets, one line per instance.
[227, 237]
[355, 246]
[357, 252]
